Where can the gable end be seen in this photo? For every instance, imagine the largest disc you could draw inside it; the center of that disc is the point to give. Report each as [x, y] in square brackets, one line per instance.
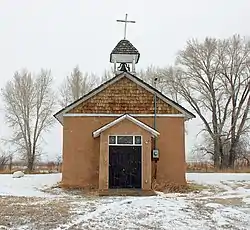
[124, 96]
[135, 98]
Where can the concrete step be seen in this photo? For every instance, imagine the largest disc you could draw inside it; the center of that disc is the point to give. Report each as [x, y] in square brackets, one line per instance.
[126, 192]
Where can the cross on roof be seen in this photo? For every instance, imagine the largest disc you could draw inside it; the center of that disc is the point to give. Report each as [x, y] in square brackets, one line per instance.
[125, 21]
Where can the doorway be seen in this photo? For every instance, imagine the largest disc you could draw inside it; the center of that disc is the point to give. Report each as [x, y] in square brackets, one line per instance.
[125, 162]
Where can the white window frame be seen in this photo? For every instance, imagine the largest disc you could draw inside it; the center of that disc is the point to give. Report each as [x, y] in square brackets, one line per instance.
[116, 137]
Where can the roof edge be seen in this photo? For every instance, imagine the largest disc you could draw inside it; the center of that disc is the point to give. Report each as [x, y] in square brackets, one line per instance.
[78, 101]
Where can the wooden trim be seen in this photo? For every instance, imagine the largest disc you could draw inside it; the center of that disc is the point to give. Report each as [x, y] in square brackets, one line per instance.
[128, 135]
[126, 116]
[124, 58]
[118, 115]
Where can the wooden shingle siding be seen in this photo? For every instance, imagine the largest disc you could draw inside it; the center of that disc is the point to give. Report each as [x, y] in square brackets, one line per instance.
[124, 96]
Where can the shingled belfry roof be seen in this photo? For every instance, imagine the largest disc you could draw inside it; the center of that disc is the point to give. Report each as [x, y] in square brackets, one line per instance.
[125, 47]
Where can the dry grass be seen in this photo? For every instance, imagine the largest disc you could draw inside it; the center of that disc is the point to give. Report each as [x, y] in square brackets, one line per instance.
[199, 167]
[207, 167]
[40, 169]
[88, 191]
[170, 187]
[43, 214]
[234, 201]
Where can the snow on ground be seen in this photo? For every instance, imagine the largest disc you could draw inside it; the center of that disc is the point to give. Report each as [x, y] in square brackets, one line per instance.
[29, 185]
[223, 204]
[217, 178]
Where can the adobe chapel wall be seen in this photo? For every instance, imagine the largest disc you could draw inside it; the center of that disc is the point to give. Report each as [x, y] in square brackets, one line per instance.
[81, 151]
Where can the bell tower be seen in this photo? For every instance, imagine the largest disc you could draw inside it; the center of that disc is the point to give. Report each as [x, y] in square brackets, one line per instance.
[124, 56]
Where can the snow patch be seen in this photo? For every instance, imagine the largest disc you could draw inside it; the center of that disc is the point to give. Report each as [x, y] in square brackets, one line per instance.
[18, 174]
[30, 185]
[214, 205]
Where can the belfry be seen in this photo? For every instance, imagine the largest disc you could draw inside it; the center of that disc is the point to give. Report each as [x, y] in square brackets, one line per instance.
[124, 54]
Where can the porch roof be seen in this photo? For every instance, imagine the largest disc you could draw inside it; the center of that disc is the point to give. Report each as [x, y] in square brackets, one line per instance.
[130, 118]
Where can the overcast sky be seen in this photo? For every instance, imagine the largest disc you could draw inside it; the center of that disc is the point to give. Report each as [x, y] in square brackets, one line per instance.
[59, 34]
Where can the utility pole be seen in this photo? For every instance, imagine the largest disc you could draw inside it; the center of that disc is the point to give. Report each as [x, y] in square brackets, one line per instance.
[155, 150]
[155, 109]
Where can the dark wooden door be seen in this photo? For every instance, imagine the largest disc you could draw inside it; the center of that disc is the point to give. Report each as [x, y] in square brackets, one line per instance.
[124, 166]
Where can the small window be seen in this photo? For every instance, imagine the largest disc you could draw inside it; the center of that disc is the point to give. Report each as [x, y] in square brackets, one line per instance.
[137, 140]
[125, 140]
[112, 140]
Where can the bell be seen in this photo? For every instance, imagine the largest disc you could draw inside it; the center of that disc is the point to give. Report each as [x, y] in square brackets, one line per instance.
[122, 67]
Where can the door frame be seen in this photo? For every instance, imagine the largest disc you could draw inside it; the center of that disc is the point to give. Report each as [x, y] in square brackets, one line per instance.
[141, 145]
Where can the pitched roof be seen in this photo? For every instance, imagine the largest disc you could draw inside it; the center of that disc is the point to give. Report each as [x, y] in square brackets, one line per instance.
[130, 118]
[125, 47]
[149, 88]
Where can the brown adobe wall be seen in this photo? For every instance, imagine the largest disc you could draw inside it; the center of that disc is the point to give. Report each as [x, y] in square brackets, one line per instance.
[81, 150]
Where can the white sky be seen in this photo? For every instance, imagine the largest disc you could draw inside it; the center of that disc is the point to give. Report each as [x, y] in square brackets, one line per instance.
[60, 34]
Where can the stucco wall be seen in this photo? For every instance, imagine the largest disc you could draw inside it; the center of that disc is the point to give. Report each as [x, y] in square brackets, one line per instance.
[81, 151]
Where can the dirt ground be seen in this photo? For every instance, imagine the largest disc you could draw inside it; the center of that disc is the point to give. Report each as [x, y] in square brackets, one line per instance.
[74, 213]
[221, 204]
[37, 213]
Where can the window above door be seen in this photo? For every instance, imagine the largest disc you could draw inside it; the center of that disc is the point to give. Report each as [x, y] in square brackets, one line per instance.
[125, 140]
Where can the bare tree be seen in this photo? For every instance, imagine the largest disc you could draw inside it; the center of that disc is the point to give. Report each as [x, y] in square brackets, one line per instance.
[234, 57]
[206, 148]
[243, 150]
[196, 83]
[29, 102]
[4, 159]
[213, 77]
[58, 162]
[162, 77]
[107, 75]
[76, 85]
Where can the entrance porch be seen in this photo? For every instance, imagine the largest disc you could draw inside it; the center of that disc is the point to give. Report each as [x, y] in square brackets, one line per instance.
[125, 154]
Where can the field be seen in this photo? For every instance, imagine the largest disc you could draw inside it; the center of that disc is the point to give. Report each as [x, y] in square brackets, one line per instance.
[33, 203]
[240, 167]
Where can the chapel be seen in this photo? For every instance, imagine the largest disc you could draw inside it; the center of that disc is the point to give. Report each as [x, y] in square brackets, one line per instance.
[125, 133]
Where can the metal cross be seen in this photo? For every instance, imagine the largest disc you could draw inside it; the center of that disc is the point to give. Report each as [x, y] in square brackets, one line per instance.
[125, 21]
